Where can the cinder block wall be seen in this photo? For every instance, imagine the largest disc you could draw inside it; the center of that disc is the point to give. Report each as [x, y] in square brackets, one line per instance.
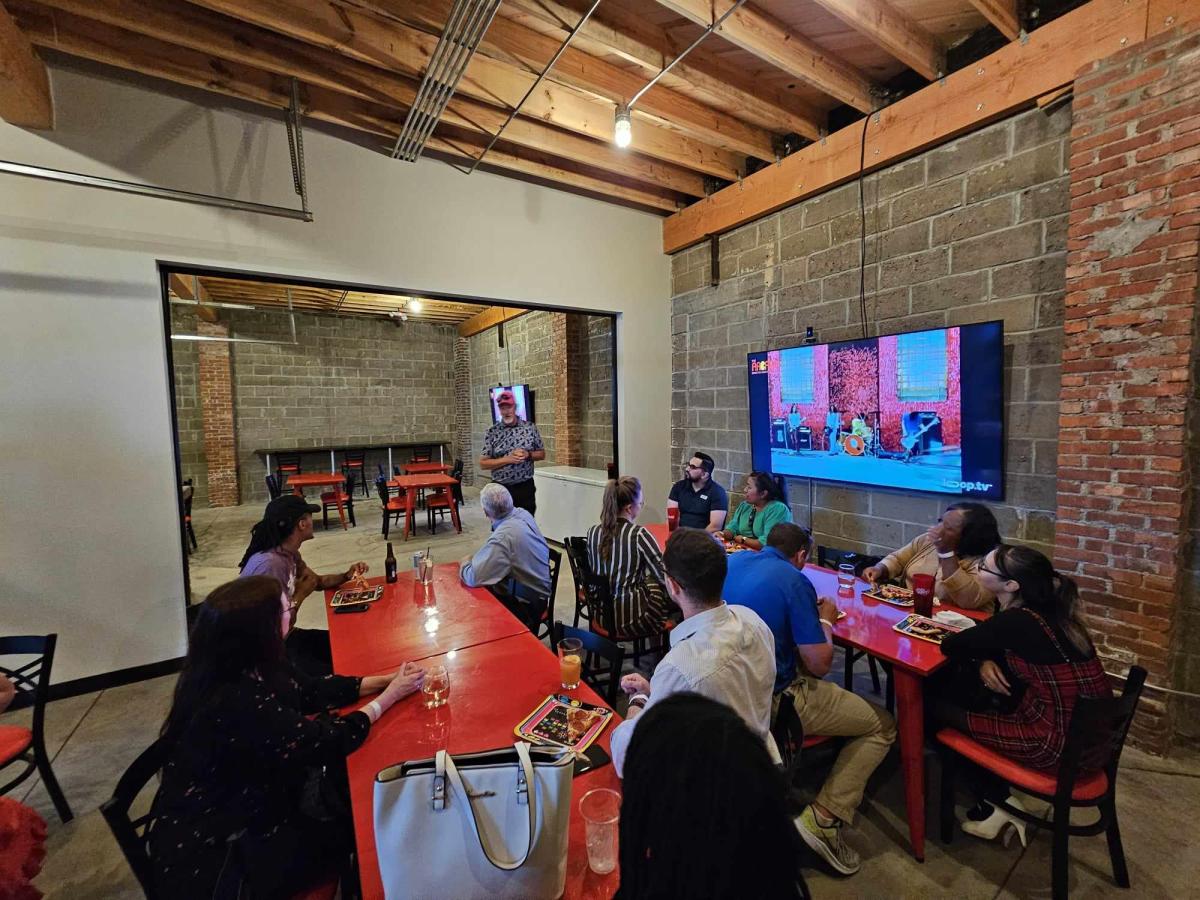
[189, 417]
[971, 231]
[597, 404]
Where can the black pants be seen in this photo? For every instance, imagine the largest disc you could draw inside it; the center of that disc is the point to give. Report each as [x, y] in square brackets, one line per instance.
[524, 494]
[523, 603]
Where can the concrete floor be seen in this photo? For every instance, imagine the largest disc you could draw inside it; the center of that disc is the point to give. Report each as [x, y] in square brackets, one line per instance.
[94, 737]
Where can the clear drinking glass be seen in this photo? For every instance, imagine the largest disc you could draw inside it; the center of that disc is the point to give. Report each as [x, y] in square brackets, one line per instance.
[436, 687]
[846, 580]
[601, 810]
[426, 569]
[570, 662]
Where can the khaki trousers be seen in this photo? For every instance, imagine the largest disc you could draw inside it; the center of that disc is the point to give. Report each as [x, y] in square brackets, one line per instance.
[826, 709]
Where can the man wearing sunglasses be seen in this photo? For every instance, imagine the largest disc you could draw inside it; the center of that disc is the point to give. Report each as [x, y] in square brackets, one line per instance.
[702, 503]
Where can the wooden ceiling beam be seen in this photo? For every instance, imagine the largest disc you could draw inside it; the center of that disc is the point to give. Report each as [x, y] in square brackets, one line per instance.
[25, 99]
[1003, 14]
[772, 41]
[105, 44]
[189, 287]
[1001, 83]
[407, 50]
[506, 38]
[489, 318]
[899, 35]
[611, 30]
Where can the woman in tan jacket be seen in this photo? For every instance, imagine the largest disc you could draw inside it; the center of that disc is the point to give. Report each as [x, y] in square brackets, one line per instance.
[951, 552]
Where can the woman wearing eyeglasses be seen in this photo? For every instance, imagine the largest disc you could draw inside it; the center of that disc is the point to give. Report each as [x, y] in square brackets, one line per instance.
[1034, 660]
[254, 800]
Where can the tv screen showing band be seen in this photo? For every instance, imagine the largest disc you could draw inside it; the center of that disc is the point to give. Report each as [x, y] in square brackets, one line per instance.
[921, 411]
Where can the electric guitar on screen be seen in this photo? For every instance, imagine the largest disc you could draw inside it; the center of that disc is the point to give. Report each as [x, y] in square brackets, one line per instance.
[912, 441]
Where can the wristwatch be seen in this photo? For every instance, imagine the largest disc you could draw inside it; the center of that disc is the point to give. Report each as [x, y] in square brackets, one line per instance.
[639, 700]
[947, 555]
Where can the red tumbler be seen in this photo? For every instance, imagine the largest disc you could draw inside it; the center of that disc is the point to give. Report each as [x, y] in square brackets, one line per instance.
[672, 519]
[922, 586]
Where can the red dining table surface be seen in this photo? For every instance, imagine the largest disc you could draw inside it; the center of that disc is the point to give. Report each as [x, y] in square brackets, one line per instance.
[319, 479]
[493, 686]
[425, 468]
[411, 621]
[867, 626]
[410, 484]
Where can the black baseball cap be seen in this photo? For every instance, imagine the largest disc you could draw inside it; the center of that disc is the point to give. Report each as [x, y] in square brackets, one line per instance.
[285, 511]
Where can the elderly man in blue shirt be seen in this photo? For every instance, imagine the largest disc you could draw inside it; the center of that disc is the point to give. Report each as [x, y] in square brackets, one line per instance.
[772, 584]
[514, 563]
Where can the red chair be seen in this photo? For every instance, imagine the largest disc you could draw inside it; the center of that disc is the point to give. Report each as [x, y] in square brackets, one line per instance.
[343, 493]
[286, 464]
[393, 508]
[28, 745]
[421, 454]
[788, 731]
[1086, 777]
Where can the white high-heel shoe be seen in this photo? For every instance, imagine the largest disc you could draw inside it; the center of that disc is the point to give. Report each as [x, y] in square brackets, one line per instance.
[998, 823]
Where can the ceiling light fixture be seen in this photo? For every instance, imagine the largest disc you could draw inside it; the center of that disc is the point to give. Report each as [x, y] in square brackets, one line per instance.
[414, 306]
[623, 127]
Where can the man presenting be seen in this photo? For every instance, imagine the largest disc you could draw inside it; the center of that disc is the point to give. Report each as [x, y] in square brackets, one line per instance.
[770, 583]
[510, 448]
[702, 503]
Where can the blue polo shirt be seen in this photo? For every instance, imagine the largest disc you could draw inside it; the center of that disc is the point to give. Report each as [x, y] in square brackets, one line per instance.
[769, 584]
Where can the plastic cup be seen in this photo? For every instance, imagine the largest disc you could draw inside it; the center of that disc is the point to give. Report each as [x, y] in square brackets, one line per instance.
[601, 810]
[846, 580]
[922, 586]
[672, 519]
[570, 662]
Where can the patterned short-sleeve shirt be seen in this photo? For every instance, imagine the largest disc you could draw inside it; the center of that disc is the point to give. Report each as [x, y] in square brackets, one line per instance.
[502, 439]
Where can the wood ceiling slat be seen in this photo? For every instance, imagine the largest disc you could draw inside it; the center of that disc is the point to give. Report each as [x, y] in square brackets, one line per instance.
[25, 99]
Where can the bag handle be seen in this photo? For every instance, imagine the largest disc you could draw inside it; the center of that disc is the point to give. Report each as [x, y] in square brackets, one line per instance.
[526, 794]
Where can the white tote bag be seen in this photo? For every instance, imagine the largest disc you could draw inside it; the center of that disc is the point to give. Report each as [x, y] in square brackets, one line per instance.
[480, 826]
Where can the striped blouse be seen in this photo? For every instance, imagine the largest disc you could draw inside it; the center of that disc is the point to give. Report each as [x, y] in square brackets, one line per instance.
[635, 578]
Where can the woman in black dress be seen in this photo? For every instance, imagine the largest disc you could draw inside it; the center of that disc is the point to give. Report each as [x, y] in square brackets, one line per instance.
[253, 800]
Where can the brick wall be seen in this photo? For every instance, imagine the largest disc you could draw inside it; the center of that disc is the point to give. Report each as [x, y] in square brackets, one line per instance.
[971, 231]
[1129, 359]
[347, 379]
[568, 352]
[597, 403]
[217, 410]
[187, 404]
[464, 439]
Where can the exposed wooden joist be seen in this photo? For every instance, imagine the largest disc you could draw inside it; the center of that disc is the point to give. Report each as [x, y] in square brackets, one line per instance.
[25, 99]
[894, 31]
[581, 70]
[998, 85]
[407, 50]
[1002, 14]
[772, 41]
[190, 288]
[489, 318]
[103, 43]
[611, 30]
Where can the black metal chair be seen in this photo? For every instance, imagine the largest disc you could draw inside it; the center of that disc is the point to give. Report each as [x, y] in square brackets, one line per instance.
[329, 499]
[188, 492]
[576, 548]
[548, 616]
[606, 683]
[1086, 777]
[354, 463]
[27, 746]
[421, 454]
[132, 835]
[287, 464]
[457, 474]
[393, 507]
[273, 488]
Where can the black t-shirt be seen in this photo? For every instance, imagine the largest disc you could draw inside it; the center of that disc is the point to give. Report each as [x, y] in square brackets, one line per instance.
[694, 506]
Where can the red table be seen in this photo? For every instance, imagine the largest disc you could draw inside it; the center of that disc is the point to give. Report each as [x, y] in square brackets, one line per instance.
[411, 622]
[425, 468]
[868, 627]
[410, 484]
[318, 479]
[492, 687]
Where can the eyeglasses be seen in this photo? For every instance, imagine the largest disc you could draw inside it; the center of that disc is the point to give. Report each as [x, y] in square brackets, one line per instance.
[690, 466]
[983, 568]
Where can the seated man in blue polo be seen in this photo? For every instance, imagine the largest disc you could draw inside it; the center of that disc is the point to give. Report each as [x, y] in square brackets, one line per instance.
[772, 584]
[702, 503]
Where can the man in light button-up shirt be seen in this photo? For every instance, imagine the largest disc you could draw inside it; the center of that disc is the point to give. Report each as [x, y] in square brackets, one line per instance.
[726, 653]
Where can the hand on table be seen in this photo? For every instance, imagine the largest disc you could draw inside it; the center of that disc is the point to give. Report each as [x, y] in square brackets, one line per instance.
[827, 610]
[875, 574]
[634, 683]
[993, 678]
[406, 681]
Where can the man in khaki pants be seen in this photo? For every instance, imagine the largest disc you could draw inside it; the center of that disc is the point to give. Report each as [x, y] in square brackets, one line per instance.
[770, 582]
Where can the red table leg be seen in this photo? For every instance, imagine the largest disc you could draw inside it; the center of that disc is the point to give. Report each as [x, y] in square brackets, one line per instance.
[910, 722]
[410, 495]
[453, 510]
[341, 509]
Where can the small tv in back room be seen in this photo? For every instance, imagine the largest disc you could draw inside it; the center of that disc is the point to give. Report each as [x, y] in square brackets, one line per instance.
[523, 396]
[920, 411]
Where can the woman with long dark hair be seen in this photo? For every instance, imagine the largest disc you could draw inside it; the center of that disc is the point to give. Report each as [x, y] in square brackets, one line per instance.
[253, 791]
[1035, 657]
[704, 810]
[951, 551]
[627, 554]
[760, 511]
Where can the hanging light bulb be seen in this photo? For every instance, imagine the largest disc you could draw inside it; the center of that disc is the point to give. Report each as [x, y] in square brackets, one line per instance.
[623, 127]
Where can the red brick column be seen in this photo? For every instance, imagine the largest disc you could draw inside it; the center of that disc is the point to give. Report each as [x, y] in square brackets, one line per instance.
[1129, 349]
[569, 334]
[216, 404]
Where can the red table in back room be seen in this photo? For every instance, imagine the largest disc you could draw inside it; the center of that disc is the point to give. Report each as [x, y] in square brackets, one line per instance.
[868, 627]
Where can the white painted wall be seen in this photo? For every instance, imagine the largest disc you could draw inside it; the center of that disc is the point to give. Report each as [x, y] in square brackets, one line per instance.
[88, 535]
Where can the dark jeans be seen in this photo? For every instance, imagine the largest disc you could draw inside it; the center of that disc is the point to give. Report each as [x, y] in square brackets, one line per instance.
[522, 602]
[524, 495]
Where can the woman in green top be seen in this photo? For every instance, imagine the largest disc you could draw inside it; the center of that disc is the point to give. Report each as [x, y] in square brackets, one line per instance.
[761, 511]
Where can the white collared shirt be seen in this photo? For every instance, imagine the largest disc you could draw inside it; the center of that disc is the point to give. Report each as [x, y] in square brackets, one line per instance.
[727, 654]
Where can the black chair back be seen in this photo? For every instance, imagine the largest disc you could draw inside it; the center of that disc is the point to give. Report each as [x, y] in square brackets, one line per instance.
[832, 557]
[287, 463]
[592, 592]
[382, 489]
[457, 474]
[273, 488]
[421, 454]
[604, 681]
[1096, 735]
[133, 834]
[555, 567]
[788, 731]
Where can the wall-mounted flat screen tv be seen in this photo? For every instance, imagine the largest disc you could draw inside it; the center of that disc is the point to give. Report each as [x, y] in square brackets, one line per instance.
[920, 411]
[521, 394]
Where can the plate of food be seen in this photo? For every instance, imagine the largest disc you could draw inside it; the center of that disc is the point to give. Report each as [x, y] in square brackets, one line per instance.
[565, 722]
[924, 629]
[891, 593]
[348, 596]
